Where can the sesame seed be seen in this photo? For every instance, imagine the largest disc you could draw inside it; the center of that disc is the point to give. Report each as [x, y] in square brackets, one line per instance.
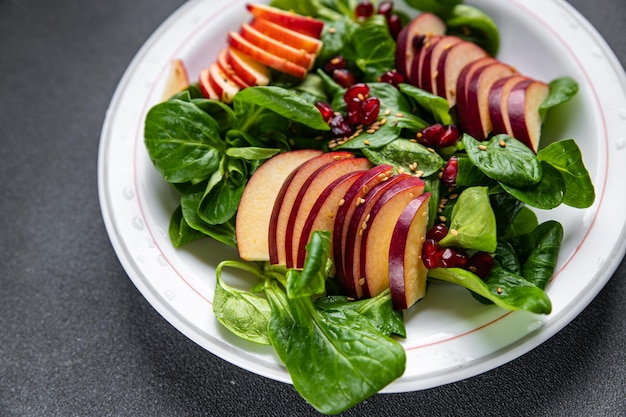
[453, 196]
[502, 143]
[366, 142]
[482, 147]
[431, 150]
[362, 281]
[442, 218]
[370, 131]
[332, 30]
[499, 290]
[387, 112]
[454, 232]
[383, 121]
[399, 114]
[342, 202]
[419, 173]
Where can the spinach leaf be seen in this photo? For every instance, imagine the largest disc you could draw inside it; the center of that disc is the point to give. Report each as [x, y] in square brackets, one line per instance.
[311, 281]
[468, 175]
[566, 157]
[505, 207]
[439, 7]
[524, 222]
[561, 90]
[503, 288]
[244, 314]
[504, 159]
[335, 358]
[252, 102]
[472, 24]
[506, 257]
[374, 48]
[379, 310]
[547, 194]
[538, 252]
[182, 141]
[180, 233]
[473, 223]
[410, 156]
[437, 106]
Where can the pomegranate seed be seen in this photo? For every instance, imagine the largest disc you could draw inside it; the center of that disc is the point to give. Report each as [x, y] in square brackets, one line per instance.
[369, 110]
[450, 171]
[418, 42]
[385, 8]
[364, 9]
[343, 77]
[453, 258]
[395, 26]
[437, 232]
[339, 126]
[359, 91]
[429, 254]
[335, 63]
[325, 109]
[354, 105]
[430, 135]
[450, 137]
[392, 77]
[353, 115]
[480, 263]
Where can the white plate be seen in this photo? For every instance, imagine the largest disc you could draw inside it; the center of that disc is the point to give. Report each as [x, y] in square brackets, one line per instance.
[450, 336]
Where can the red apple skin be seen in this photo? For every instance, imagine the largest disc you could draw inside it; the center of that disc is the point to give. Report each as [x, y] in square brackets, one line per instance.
[237, 42]
[407, 273]
[222, 84]
[415, 73]
[424, 24]
[499, 103]
[428, 71]
[524, 102]
[257, 202]
[477, 120]
[287, 36]
[227, 69]
[360, 217]
[250, 71]
[205, 85]
[286, 199]
[301, 24]
[307, 196]
[324, 211]
[276, 48]
[462, 86]
[374, 260]
[358, 190]
[450, 65]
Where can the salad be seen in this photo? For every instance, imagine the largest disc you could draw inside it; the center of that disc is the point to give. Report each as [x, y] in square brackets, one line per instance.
[366, 91]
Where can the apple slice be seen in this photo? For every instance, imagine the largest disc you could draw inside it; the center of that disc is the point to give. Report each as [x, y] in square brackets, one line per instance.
[289, 37]
[205, 85]
[324, 211]
[476, 118]
[227, 69]
[237, 42]
[499, 103]
[419, 60]
[298, 56]
[177, 79]
[290, 20]
[355, 195]
[356, 232]
[423, 25]
[524, 102]
[257, 202]
[308, 195]
[286, 199]
[249, 70]
[462, 86]
[449, 67]
[407, 273]
[379, 232]
[222, 84]
[428, 72]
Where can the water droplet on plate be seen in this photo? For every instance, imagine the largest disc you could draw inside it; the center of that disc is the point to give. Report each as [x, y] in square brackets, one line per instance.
[169, 294]
[620, 144]
[162, 261]
[128, 193]
[138, 223]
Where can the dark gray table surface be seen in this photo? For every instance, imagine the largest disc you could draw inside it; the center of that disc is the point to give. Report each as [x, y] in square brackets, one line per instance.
[77, 338]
